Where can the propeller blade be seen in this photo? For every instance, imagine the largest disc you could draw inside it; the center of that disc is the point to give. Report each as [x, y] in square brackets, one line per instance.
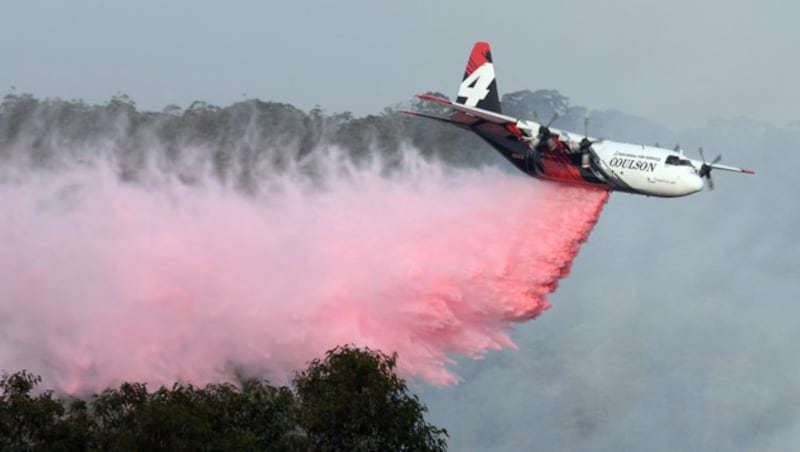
[702, 157]
[586, 143]
[553, 119]
[710, 183]
[716, 160]
[586, 127]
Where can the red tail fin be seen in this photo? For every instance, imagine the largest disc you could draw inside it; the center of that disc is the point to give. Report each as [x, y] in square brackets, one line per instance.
[479, 86]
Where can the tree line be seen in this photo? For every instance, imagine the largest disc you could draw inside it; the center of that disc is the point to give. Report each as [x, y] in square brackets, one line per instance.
[350, 400]
[234, 140]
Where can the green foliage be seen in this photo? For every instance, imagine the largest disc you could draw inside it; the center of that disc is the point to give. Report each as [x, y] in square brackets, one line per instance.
[31, 423]
[352, 400]
[218, 417]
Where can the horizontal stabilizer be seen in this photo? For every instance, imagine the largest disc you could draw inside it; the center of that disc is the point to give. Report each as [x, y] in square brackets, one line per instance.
[438, 118]
[485, 115]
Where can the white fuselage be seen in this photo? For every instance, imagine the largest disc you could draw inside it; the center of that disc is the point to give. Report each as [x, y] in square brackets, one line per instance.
[636, 168]
[645, 169]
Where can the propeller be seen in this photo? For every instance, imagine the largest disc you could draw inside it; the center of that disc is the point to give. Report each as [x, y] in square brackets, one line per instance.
[544, 130]
[586, 143]
[553, 119]
[705, 169]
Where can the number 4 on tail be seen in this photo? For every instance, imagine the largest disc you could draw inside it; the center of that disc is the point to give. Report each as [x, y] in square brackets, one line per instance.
[475, 87]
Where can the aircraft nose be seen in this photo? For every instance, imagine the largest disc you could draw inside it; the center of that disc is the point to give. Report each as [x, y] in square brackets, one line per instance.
[695, 183]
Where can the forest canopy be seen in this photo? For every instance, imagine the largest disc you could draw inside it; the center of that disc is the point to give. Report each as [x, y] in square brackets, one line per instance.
[350, 400]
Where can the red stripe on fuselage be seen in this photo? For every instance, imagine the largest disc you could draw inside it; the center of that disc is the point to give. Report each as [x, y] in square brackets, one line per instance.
[560, 170]
[511, 127]
[557, 165]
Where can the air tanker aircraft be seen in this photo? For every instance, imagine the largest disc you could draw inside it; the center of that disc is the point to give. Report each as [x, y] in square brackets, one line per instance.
[548, 153]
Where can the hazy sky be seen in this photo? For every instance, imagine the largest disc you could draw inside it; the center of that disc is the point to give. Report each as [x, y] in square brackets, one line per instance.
[677, 62]
[678, 326]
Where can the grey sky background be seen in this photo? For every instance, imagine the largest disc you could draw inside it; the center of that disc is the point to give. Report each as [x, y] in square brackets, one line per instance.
[678, 62]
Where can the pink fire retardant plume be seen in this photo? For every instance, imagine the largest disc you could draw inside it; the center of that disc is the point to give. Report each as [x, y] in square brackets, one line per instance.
[103, 281]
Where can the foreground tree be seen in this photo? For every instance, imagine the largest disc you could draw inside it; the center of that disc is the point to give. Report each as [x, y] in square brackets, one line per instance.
[218, 417]
[351, 400]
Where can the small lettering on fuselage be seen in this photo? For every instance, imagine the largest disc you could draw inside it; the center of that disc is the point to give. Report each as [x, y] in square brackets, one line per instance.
[632, 164]
[644, 157]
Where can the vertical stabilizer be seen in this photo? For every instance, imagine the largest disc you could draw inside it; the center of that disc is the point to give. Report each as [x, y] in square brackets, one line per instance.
[479, 86]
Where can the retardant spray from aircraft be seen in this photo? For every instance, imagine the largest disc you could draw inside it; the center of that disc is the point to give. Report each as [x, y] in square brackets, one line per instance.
[106, 281]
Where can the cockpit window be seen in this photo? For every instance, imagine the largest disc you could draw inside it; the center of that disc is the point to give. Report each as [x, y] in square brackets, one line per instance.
[677, 161]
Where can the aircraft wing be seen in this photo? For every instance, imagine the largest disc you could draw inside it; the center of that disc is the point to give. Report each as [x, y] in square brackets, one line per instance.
[699, 164]
[485, 115]
[468, 116]
[731, 168]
